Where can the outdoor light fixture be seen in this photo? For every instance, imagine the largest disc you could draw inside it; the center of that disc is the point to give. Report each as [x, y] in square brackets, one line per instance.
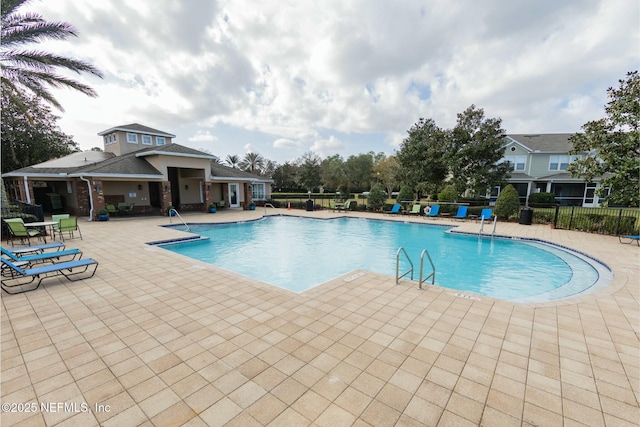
[139, 186]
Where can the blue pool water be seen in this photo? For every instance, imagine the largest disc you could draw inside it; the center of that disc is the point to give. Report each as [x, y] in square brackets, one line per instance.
[299, 253]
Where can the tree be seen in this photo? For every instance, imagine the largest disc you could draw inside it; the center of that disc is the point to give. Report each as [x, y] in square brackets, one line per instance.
[232, 160]
[613, 144]
[284, 177]
[421, 158]
[332, 172]
[308, 176]
[30, 134]
[476, 145]
[507, 203]
[359, 171]
[252, 162]
[34, 70]
[405, 194]
[376, 198]
[386, 171]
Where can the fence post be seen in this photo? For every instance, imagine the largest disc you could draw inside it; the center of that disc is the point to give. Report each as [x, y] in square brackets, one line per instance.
[618, 224]
[555, 218]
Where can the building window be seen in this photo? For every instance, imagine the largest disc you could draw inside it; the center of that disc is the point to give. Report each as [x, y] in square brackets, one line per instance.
[159, 140]
[146, 140]
[257, 191]
[561, 163]
[132, 138]
[517, 162]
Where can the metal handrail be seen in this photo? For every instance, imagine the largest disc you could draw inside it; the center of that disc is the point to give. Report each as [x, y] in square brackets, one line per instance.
[433, 269]
[495, 222]
[270, 205]
[401, 249]
[179, 216]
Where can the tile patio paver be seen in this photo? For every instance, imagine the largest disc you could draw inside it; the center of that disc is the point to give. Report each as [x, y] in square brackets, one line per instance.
[158, 339]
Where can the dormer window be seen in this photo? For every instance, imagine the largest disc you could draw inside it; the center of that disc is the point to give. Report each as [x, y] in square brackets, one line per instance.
[132, 138]
[146, 140]
[160, 140]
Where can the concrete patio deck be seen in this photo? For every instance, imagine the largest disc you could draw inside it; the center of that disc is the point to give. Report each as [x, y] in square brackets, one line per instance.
[157, 339]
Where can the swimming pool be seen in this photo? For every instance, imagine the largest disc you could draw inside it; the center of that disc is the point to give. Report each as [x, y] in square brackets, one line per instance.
[299, 253]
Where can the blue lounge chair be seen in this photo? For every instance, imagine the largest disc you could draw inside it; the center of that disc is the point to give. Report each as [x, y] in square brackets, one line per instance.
[631, 239]
[37, 249]
[20, 277]
[462, 213]
[42, 257]
[434, 211]
[486, 214]
[394, 210]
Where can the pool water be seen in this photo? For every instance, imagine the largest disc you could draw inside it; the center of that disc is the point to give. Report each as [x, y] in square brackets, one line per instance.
[299, 253]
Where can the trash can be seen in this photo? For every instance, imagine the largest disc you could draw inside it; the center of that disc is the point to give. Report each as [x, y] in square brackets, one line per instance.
[526, 216]
[309, 205]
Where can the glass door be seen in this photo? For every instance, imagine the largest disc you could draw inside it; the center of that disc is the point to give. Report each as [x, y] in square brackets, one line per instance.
[234, 197]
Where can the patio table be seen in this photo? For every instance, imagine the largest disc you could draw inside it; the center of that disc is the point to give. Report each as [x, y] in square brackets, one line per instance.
[44, 224]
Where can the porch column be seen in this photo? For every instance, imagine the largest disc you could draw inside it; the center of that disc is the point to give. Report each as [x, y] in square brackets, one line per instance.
[165, 187]
[208, 195]
[97, 193]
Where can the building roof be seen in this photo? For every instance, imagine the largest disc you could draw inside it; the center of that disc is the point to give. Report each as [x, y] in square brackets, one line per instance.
[138, 128]
[221, 172]
[546, 142]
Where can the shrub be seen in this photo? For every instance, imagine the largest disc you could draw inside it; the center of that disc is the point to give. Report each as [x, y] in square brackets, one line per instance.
[542, 198]
[406, 193]
[508, 203]
[377, 197]
[449, 194]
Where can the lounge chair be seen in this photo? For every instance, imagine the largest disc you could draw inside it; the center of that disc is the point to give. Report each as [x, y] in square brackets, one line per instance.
[415, 210]
[486, 214]
[334, 206]
[69, 270]
[69, 225]
[27, 260]
[37, 249]
[18, 230]
[630, 238]
[394, 210]
[462, 213]
[344, 206]
[433, 212]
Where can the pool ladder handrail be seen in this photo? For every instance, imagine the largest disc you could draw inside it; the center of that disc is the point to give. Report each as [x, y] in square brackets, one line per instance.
[270, 205]
[431, 275]
[495, 221]
[179, 216]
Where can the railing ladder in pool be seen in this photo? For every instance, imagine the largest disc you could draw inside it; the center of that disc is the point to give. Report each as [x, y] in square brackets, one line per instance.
[431, 275]
[493, 232]
[181, 219]
[266, 205]
[398, 277]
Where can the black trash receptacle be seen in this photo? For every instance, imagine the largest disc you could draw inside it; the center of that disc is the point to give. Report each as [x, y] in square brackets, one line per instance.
[309, 205]
[526, 216]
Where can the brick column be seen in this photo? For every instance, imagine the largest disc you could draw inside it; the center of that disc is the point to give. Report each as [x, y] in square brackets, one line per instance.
[165, 187]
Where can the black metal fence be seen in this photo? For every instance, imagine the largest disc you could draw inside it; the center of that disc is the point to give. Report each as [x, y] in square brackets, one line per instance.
[614, 221]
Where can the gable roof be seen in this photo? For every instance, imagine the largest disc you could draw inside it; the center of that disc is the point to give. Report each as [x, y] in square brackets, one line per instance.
[222, 172]
[137, 128]
[544, 143]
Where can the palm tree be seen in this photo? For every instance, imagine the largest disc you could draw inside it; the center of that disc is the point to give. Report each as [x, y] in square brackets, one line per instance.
[32, 69]
[252, 162]
[232, 160]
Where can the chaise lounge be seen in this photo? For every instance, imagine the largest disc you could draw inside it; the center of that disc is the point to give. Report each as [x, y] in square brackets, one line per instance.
[70, 269]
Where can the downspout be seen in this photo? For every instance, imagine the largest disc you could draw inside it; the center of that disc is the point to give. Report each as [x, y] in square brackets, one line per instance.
[90, 196]
[26, 189]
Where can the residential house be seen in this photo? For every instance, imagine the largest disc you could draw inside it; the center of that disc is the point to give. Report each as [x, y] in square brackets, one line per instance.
[540, 164]
[139, 166]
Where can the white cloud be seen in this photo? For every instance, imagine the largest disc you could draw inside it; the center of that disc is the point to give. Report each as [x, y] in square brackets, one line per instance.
[203, 136]
[329, 75]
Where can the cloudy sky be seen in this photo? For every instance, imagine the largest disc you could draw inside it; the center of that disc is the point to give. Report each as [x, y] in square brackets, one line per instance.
[282, 78]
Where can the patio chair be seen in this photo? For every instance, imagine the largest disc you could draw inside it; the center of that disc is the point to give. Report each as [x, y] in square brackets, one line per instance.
[335, 206]
[18, 230]
[415, 210]
[394, 210]
[344, 206]
[221, 204]
[433, 212]
[69, 225]
[69, 270]
[462, 213]
[486, 214]
[30, 259]
[57, 218]
[111, 209]
[630, 238]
